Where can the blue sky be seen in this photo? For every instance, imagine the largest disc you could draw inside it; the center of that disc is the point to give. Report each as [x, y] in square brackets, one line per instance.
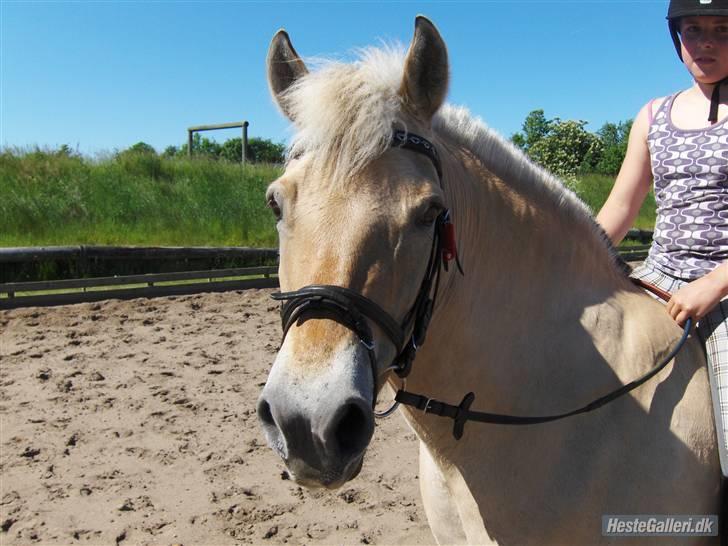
[101, 76]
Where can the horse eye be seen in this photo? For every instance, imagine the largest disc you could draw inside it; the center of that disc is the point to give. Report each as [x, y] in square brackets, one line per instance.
[430, 215]
[275, 207]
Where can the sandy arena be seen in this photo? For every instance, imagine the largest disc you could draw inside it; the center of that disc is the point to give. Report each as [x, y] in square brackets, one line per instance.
[133, 422]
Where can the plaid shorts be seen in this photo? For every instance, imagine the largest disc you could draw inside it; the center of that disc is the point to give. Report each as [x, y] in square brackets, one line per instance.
[713, 332]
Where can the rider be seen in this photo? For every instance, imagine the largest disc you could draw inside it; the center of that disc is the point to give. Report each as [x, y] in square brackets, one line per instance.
[681, 142]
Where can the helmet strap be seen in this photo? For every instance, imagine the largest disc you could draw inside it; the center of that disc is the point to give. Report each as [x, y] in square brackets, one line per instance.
[715, 101]
[673, 25]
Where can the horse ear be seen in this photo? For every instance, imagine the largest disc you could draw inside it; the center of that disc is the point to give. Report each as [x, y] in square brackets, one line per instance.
[284, 68]
[425, 80]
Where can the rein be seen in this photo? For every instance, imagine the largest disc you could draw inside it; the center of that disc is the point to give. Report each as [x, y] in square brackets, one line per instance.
[461, 413]
[351, 309]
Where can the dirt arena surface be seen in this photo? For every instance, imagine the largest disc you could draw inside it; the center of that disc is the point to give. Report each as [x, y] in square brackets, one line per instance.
[133, 422]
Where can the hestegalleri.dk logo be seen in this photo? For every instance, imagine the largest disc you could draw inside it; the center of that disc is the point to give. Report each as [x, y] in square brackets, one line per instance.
[659, 525]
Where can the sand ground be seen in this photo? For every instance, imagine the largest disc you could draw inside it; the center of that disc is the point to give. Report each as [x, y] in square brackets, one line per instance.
[133, 422]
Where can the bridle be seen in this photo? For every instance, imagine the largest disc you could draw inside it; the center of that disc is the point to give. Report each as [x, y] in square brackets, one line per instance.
[351, 309]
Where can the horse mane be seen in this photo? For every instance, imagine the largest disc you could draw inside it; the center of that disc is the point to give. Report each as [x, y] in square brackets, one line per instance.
[345, 114]
[505, 160]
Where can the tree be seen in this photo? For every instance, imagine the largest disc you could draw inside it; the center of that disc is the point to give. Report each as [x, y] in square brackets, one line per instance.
[615, 138]
[260, 150]
[535, 128]
[567, 148]
[141, 148]
[171, 151]
[205, 147]
[231, 150]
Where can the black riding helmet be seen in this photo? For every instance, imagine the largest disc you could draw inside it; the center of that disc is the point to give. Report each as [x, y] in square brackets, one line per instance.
[687, 8]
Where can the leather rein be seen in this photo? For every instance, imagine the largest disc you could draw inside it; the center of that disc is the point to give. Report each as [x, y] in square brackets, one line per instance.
[352, 310]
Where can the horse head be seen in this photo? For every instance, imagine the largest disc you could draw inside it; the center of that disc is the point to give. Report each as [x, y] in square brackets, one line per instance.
[357, 218]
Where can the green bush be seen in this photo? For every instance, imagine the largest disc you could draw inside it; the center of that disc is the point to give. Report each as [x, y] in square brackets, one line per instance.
[264, 151]
[141, 160]
[141, 148]
[567, 149]
[259, 151]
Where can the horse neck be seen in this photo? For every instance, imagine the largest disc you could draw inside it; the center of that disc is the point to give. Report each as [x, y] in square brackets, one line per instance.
[541, 301]
[530, 244]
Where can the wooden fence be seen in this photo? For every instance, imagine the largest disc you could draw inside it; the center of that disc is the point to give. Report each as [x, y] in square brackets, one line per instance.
[94, 288]
[63, 292]
[73, 262]
[87, 252]
[68, 291]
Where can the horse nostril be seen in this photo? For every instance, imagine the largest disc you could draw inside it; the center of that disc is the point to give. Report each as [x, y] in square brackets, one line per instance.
[264, 413]
[353, 430]
[268, 423]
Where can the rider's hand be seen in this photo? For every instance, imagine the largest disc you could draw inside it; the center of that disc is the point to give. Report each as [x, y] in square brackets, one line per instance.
[697, 298]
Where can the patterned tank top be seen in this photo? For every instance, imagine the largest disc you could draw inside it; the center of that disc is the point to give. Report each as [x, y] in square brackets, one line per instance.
[690, 170]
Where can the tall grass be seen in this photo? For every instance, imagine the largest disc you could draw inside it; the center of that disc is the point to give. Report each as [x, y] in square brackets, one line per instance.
[594, 189]
[56, 198]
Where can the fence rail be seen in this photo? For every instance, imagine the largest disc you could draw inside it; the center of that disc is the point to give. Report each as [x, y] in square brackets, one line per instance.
[633, 253]
[45, 293]
[80, 252]
[35, 293]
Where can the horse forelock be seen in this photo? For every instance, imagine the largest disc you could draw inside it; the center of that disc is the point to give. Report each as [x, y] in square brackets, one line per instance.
[344, 113]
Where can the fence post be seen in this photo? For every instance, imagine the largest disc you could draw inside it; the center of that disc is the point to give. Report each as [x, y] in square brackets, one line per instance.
[244, 143]
[189, 142]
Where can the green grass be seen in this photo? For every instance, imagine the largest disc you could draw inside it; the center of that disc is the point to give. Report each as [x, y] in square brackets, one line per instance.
[55, 198]
[594, 189]
[58, 198]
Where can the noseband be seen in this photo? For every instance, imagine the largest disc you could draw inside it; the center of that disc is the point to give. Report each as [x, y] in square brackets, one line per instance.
[351, 309]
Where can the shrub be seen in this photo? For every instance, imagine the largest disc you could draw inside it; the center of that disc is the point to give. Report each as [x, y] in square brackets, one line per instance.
[567, 148]
[140, 148]
[264, 151]
[141, 159]
[260, 150]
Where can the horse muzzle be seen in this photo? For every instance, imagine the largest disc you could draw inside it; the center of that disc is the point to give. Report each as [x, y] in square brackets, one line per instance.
[320, 423]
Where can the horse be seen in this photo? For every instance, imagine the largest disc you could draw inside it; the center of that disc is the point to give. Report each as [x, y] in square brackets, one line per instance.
[541, 319]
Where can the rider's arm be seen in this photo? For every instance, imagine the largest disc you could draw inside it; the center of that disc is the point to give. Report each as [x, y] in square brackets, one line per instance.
[632, 184]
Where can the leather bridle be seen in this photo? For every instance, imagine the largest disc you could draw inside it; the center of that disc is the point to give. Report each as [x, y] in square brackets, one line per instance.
[352, 310]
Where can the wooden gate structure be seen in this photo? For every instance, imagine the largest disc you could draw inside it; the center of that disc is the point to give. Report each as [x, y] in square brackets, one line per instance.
[243, 124]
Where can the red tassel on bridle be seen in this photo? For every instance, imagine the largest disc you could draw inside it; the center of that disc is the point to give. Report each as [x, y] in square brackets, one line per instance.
[448, 243]
[447, 236]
